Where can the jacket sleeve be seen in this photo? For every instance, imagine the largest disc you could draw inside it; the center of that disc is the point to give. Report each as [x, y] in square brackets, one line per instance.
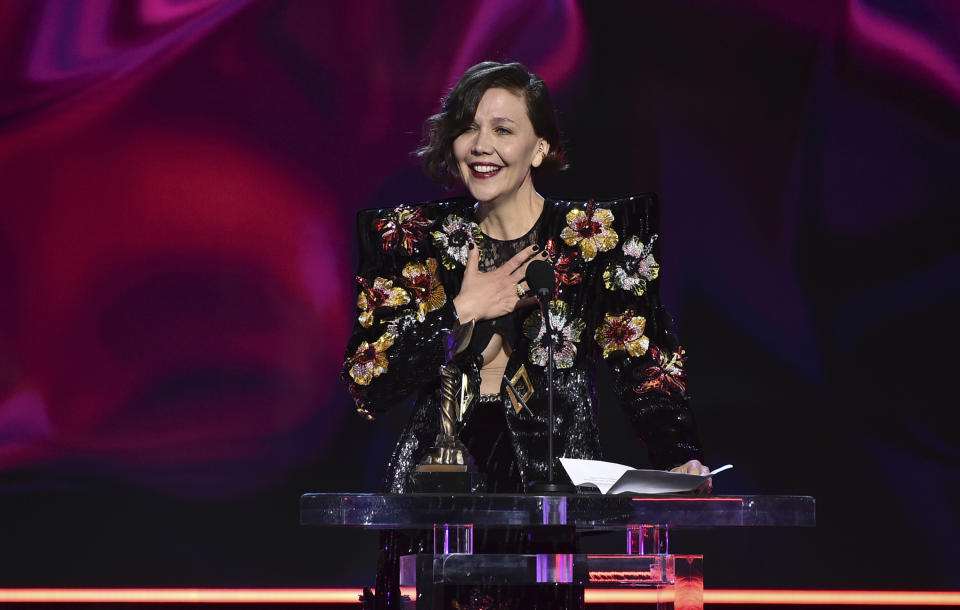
[403, 312]
[632, 334]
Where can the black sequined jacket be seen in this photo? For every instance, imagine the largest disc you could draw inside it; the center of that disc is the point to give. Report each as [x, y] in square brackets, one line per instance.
[605, 309]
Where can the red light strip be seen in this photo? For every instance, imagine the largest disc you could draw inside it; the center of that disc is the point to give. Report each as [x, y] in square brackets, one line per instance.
[349, 596]
[713, 500]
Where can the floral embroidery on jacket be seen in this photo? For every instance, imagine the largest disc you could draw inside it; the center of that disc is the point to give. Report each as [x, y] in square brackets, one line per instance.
[567, 268]
[370, 359]
[566, 333]
[590, 230]
[666, 373]
[402, 227]
[623, 332]
[454, 239]
[381, 294]
[424, 286]
[638, 267]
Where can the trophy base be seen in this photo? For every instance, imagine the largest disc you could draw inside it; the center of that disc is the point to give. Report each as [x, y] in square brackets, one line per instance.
[447, 455]
[428, 478]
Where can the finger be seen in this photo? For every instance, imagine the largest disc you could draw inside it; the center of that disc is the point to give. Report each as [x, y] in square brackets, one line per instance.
[525, 302]
[691, 467]
[521, 289]
[522, 269]
[517, 260]
[473, 260]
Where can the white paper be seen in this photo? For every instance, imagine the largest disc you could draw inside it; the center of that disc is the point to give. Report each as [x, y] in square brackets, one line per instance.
[612, 478]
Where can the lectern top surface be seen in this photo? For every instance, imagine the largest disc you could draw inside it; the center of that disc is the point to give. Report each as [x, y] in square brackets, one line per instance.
[584, 511]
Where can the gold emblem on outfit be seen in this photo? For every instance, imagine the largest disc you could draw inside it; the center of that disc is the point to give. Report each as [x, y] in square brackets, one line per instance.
[520, 381]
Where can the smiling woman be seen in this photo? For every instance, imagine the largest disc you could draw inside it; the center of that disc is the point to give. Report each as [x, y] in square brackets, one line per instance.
[426, 268]
[460, 115]
[496, 152]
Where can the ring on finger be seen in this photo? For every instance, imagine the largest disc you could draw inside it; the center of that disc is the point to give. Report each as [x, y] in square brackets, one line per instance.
[520, 291]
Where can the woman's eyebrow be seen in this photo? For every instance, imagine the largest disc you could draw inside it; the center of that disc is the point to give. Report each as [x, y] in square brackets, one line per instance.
[502, 119]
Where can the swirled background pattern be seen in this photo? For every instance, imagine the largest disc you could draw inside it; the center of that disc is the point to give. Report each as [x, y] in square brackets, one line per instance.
[178, 180]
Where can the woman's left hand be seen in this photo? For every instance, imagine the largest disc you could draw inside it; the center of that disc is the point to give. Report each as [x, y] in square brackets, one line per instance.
[695, 467]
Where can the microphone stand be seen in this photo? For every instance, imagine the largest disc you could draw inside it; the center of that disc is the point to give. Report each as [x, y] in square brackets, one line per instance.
[550, 486]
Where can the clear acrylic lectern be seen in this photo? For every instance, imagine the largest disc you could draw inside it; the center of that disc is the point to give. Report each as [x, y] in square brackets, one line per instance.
[676, 580]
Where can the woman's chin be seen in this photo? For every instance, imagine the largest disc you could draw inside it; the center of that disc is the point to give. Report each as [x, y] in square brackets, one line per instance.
[483, 195]
[490, 193]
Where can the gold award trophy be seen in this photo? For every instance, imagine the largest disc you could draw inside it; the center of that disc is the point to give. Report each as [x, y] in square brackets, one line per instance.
[448, 465]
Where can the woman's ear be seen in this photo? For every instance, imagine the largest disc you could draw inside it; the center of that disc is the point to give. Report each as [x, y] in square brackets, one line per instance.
[543, 149]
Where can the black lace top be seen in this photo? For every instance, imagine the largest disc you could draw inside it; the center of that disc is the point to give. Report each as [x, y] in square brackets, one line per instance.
[493, 254]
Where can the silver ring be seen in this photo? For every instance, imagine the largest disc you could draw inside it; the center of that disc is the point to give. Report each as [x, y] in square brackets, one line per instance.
[521, 292]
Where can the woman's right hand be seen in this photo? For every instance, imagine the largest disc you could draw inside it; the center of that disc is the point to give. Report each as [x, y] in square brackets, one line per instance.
[491, 294]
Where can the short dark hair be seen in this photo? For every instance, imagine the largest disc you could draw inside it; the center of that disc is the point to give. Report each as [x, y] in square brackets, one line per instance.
[460, 106]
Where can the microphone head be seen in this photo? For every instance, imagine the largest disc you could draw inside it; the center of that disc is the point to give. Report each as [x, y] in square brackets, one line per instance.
[540, 278]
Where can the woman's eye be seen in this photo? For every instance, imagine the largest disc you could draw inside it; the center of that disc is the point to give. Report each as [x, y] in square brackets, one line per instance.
[502, 130]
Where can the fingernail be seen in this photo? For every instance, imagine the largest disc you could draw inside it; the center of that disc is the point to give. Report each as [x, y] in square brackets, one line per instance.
[471, 245]
[544, 254]
[536, 248]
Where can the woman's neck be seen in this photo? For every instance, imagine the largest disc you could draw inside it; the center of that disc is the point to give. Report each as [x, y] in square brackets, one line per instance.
[506, 220]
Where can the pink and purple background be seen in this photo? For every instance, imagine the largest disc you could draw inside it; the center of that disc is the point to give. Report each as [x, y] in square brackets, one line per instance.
[178, 181]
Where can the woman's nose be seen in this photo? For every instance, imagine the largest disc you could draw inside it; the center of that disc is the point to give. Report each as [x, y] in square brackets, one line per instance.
[481, 143]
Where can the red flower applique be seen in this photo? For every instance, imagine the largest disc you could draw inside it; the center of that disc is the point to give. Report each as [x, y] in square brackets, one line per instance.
[382, 293]
[402, 227]
[666, 374]
[370, 359]
[568, 268]
[423, 284]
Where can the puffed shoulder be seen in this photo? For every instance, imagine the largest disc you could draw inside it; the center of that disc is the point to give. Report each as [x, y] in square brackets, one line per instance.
[638, 213]
[646, 204]
[641, 200]
[428, 209]
[401, 228]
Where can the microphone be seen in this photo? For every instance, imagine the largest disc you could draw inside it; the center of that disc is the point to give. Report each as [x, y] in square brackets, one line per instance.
[540, 278]
[542, 281]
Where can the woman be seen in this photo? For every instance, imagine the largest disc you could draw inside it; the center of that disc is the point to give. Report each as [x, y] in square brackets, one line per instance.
[426, 268]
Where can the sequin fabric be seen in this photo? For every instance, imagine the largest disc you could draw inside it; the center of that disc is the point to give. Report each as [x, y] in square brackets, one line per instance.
[396, 348]
[614, 323]
[591, 230]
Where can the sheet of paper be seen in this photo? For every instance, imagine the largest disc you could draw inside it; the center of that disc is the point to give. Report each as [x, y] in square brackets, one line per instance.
[660, 481]
[616, 478]
[593, 472]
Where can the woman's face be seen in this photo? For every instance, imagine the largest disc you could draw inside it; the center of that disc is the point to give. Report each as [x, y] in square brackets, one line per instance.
[496, 152]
